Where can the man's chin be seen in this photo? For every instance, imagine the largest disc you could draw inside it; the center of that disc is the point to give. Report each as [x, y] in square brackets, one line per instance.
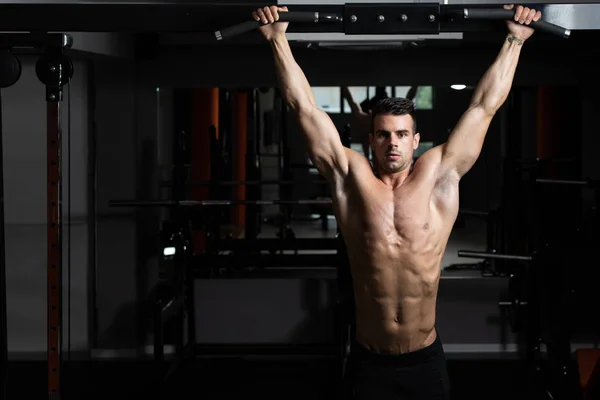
[392, 168]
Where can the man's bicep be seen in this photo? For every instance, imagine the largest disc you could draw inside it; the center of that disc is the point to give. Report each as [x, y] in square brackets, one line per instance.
[465, 142]
[323, 141]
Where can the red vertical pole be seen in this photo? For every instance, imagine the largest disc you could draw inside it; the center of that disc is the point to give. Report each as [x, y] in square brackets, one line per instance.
[54, 248]
[548, 126]
[240, 134]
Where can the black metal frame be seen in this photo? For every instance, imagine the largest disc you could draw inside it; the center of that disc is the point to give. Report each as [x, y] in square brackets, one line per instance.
[3, 321]
[54, 69]
[175, 302]
[202, 17]
[92, 207]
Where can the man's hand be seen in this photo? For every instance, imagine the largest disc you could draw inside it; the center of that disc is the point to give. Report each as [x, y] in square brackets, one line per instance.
[269, 15]
[523, 17]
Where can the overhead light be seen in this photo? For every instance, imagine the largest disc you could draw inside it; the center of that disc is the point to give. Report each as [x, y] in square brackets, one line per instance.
[458, 87]
[168, 251]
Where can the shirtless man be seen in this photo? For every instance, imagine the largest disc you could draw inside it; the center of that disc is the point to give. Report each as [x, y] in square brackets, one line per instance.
[396, 222]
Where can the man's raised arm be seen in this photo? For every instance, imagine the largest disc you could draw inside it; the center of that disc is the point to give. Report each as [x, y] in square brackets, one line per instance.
[464, 144]
[325, 147]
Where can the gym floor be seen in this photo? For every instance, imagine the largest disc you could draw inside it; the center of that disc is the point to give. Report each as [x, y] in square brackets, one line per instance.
[234, 377]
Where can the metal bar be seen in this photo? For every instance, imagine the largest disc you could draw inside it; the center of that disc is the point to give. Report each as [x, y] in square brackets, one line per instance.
[265, 261]
[54, 303]
[493, 256]
[37, 40]
[3, 321]
[234, 183]
[159, 345]
[208, 203]
[563, 182]
[473, 213]
[502, 14]
[92, 206]
[292, 16]
[210, 17]
[267, 244]
[389, 18]
[266, 349]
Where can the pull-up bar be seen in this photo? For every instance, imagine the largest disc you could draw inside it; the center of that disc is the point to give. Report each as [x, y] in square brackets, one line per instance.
[350, 18]
[370, 19]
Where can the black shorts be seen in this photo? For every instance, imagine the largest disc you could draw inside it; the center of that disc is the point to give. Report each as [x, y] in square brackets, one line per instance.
[421, 374]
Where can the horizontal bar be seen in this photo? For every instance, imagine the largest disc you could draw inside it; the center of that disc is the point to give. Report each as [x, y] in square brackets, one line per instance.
[495, 256]
[37, 40]
[274, 244]
[293, 16]
[267, 349]
[249, 183]
[502, 14]
[245, 260]
[473, 213]
[148, 16]
[563, 182]
[392, 18]
[209, 203]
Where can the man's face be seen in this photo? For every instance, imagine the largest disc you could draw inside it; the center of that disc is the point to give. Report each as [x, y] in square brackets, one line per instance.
[393, 142]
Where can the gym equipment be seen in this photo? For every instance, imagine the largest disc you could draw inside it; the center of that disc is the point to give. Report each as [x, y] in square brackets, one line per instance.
[493, 256]
[54, 69]
[249, 183]
[540, 306]
[489, 266]
[174, 300]
[294, 16]
[539, 310]
[371, 19]
[208, 203]
[516, 304]
[149, 16]
[3, 322]
[10, 68]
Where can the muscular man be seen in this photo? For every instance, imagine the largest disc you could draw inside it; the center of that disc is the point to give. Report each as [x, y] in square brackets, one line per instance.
[361, 114]
[396, 222]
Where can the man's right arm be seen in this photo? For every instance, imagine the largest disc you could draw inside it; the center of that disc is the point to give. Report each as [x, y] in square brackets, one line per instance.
[325, 147]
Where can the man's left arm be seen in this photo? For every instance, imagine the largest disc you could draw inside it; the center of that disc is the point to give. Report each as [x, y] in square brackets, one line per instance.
[464, 144]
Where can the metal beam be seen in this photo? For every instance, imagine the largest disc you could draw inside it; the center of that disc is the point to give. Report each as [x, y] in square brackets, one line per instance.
[208, 17]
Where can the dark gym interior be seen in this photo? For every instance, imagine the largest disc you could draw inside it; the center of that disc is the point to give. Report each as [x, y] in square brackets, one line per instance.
[163, 299]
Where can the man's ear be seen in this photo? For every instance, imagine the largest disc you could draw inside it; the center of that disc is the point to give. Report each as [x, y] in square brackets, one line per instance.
[416, 140]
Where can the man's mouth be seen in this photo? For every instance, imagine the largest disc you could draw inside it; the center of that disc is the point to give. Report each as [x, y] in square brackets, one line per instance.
[392, 156]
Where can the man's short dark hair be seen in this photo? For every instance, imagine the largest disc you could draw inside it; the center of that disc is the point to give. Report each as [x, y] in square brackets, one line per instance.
[394, 106]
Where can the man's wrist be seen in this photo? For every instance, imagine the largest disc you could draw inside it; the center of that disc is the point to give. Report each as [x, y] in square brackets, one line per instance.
[277, 37]
[510, 38]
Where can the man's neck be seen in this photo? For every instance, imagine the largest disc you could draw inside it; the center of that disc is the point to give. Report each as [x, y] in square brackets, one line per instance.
[394, 180]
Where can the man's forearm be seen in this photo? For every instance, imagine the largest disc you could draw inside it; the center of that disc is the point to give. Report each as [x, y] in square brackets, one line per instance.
[293, 84]
[354, 106]
[494, 86]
